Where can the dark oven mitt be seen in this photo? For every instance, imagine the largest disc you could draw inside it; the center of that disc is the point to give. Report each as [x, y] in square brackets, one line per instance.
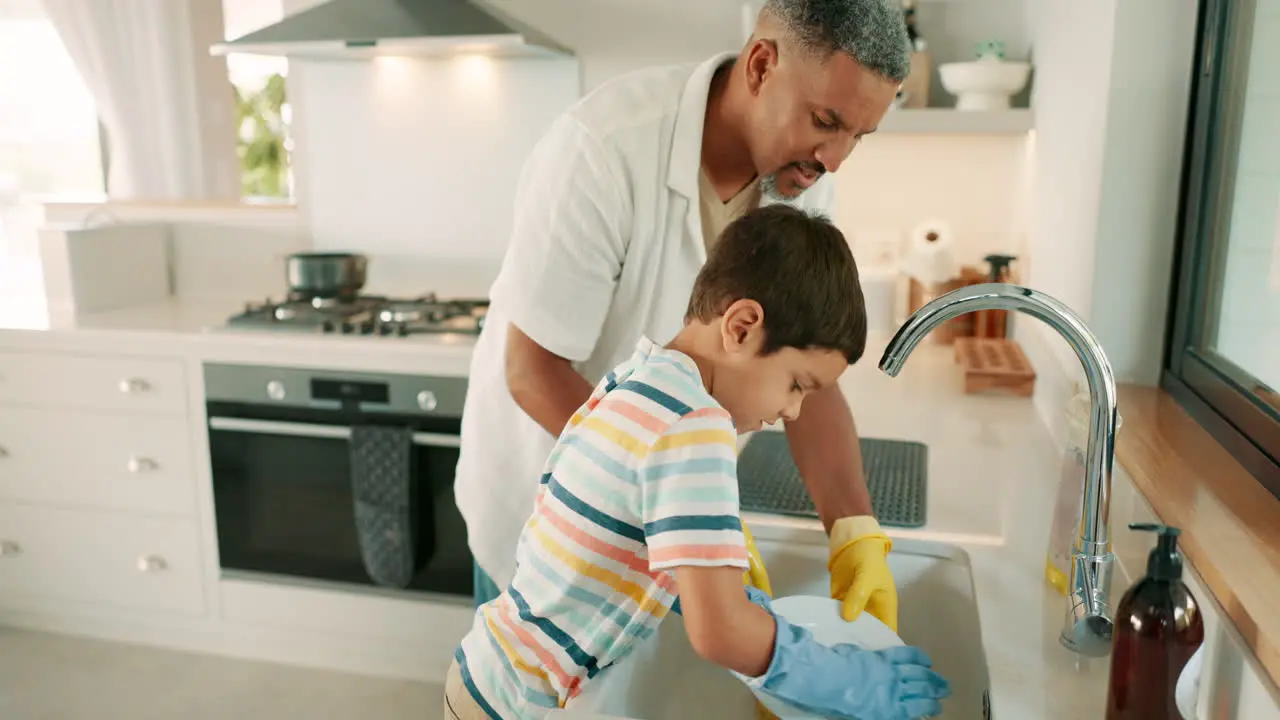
[381, 485]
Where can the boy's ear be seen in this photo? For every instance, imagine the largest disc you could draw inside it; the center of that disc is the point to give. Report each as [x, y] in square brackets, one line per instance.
[742, 326]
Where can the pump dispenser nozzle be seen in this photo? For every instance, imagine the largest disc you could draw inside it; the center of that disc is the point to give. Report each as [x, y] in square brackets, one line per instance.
[1164, 562]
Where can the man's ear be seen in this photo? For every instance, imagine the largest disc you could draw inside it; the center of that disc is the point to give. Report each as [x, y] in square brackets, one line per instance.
[742, 326]
[761, 60]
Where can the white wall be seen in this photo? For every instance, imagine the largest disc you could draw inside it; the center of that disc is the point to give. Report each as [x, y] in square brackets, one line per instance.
[1110, 101]
[394, 159]
[1138, 209]
[975, 183]
[418, 156]
[1073, 41]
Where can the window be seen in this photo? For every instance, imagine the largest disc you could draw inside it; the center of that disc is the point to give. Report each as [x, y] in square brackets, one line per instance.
[263, 142]
[1223, 356]
[49, 138]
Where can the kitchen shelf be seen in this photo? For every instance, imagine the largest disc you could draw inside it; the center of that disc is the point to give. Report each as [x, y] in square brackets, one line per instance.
[946, 121]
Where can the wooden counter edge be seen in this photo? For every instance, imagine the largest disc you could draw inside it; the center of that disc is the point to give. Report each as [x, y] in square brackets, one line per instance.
[1230, 523]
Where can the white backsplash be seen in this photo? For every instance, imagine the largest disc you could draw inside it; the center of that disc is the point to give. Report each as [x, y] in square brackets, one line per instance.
[415, 157]
[420, 157]
[977, 184]
[223, 261]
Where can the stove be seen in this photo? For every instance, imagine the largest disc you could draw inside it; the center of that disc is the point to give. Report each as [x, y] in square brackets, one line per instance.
[365, 315]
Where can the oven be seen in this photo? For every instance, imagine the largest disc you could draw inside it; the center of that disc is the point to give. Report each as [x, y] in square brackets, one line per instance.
[299, 493]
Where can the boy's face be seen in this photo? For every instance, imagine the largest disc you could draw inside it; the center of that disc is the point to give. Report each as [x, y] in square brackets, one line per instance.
[758, 389]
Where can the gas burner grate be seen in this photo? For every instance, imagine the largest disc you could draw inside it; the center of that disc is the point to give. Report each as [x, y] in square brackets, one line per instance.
[365, 315]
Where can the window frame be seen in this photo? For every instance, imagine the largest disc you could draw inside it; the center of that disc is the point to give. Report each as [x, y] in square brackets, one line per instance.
[1211, 388]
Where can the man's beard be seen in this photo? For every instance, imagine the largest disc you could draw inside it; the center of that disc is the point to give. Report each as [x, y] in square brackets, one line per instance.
[769, 183]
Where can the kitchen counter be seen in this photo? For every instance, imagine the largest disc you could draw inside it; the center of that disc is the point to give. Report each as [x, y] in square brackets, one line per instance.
[1230, 523]
[993, 468]
[198, 330]
[993, 472]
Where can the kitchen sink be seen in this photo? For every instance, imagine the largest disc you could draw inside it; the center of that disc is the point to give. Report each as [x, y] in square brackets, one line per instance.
[664, 679]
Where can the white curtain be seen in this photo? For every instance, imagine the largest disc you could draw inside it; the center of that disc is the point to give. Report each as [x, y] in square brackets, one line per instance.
[167, 105]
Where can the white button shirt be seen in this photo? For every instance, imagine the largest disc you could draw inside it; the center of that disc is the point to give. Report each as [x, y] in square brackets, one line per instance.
[606, 244]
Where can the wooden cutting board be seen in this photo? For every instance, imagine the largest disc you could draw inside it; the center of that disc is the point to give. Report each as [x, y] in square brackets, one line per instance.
[995, 364]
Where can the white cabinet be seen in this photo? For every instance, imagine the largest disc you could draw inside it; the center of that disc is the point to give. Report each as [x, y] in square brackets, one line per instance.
[123, 384]
[92, 458]
[101, 557]
[97, 483]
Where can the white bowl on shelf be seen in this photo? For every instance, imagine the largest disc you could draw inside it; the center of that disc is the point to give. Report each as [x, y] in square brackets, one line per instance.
[985, 84]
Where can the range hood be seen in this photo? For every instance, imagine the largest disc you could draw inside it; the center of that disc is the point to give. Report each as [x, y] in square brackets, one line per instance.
[356, 29]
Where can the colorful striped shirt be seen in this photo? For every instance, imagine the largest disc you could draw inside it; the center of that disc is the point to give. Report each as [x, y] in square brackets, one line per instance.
[642, 480]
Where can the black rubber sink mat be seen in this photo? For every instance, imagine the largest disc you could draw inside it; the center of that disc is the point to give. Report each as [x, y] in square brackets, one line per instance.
[897, 477]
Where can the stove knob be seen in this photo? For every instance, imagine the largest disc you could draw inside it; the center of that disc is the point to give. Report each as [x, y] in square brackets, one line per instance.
[346, 327]
[327, 326]
[384, 329]
[427, 400]
[402, 331]
[275, 390]
[366, 327]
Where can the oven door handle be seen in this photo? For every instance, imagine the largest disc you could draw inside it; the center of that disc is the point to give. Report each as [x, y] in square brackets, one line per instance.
[311, 430]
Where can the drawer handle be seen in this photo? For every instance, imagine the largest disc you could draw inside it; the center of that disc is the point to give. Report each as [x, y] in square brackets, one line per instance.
[132, 386]
[9, 548]
[142, 464]
[152, 564]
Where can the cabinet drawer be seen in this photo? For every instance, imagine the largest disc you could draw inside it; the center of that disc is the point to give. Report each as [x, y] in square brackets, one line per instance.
[97, 459]
[101, 557]
[106, 382]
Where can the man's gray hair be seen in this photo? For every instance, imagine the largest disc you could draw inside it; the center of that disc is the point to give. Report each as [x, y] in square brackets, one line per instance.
[873, 32]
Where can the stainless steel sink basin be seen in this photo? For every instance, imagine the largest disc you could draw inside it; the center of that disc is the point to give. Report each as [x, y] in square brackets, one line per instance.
[664, 679]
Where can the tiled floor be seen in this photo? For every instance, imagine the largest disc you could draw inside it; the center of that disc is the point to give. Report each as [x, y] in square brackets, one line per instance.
[52, 677]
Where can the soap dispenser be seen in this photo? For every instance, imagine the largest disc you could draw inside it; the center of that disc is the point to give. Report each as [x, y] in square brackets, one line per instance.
[1158, 628]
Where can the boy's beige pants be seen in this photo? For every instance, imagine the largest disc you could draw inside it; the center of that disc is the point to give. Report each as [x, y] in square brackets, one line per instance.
[458, 703]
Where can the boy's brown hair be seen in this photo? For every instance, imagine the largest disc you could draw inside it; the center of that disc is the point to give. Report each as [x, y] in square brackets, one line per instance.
[801, 271]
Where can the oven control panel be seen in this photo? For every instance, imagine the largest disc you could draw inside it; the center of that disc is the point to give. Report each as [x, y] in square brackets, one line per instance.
[336, 389]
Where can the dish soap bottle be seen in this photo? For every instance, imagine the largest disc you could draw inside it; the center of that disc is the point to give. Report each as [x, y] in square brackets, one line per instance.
[1158, 628]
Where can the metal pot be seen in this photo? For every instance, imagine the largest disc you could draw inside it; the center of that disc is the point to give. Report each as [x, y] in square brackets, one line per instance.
[326, 275]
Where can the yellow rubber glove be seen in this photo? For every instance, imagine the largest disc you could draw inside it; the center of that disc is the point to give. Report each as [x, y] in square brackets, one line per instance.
[755, 576]
[860, 576]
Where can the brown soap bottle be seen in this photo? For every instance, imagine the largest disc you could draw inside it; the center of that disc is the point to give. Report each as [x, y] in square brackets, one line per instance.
[1158, 628]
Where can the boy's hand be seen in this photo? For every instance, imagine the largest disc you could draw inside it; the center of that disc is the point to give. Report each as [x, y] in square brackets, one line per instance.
[845, 681]
[860, 576]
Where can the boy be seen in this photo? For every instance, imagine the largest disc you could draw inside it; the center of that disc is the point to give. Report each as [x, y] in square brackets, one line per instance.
[640, 497]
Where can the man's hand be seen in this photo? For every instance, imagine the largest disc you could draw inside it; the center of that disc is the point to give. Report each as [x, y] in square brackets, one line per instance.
[860, 576]
[824, 443]
[756, 576]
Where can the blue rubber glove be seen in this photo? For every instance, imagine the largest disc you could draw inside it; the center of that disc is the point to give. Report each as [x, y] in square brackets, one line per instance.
[844, 681]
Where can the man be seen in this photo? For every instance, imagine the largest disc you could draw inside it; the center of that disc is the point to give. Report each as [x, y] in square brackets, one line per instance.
[615, 209]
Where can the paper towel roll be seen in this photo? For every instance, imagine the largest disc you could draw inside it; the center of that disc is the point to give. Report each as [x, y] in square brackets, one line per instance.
[931, 253]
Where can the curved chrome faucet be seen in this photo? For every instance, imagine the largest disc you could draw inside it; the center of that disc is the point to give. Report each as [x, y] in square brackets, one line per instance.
[1088, 625]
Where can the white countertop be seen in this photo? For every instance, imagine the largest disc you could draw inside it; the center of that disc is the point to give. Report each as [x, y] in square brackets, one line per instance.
[993, 473]
[198, 330]
[993, 468]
